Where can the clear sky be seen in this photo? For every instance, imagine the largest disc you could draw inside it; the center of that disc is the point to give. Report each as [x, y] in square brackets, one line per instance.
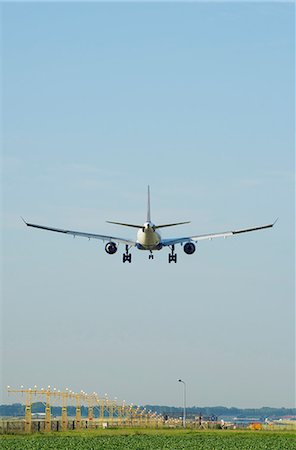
[196, 100]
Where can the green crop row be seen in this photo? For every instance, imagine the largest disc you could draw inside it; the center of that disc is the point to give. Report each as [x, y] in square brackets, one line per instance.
[194, 441]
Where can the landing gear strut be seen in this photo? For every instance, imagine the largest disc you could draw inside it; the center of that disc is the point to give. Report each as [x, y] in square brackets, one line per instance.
[172, 255]
[127, 256]
[151, 256]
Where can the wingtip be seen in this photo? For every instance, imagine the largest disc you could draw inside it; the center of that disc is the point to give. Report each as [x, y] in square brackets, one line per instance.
[275, 221]
[24, 220]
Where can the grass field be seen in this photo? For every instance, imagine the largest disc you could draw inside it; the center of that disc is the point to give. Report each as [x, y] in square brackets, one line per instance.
[153, 440]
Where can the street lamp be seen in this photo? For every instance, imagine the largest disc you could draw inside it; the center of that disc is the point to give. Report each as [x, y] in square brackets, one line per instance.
[184, 407]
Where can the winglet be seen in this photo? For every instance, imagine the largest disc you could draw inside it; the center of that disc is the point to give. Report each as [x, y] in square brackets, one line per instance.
[24, 220]
[275, 221]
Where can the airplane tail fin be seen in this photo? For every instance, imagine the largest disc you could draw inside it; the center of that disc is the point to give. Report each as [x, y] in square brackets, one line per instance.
[148, 206]
[149, 215]
[132, 225]
[148, 218]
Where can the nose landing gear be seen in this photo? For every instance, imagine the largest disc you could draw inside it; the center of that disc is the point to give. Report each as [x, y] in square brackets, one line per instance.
[151, 256]
[172, 255]
[127, 256]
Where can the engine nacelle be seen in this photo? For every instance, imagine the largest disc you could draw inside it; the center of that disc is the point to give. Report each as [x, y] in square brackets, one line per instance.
[111, 248]
[189, 248]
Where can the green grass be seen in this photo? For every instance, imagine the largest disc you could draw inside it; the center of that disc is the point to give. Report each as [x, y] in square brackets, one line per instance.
[132, 439]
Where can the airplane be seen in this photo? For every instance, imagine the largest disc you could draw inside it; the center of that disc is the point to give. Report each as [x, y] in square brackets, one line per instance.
[148, 237]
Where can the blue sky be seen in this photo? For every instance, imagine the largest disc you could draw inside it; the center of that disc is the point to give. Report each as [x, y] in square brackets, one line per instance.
[196, 100]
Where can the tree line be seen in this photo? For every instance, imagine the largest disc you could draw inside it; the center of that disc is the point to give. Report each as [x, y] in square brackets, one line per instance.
[18, 410]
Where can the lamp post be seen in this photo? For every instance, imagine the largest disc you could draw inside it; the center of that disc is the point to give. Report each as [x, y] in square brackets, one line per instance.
[184, 403]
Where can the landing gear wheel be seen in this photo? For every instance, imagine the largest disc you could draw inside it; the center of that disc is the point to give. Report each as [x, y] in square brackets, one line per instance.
[173, 255]
[127, 256]
[151, 256]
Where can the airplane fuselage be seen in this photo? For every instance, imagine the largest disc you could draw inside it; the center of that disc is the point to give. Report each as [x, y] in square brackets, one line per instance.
[148, 238]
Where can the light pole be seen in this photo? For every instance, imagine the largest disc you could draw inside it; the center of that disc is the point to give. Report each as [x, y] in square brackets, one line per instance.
[184, 407]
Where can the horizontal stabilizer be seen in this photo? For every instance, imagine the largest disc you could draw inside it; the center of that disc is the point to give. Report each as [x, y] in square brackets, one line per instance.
[170, 225]
[125, 224]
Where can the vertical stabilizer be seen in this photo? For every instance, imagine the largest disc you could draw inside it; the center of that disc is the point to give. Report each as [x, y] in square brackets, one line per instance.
[148, 206]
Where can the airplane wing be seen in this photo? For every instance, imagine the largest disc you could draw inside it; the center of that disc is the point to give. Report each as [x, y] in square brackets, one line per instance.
[82, 234]
[211, 236]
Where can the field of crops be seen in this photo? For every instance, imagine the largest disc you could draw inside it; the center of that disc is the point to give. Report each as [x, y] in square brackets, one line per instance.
[142, 440]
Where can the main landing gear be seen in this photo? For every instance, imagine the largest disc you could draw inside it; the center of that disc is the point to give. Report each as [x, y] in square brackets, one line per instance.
[172, 255]
[127, 256]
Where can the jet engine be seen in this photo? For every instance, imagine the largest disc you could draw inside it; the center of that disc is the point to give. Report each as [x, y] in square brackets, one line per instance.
[189, 248]
[111, 248]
